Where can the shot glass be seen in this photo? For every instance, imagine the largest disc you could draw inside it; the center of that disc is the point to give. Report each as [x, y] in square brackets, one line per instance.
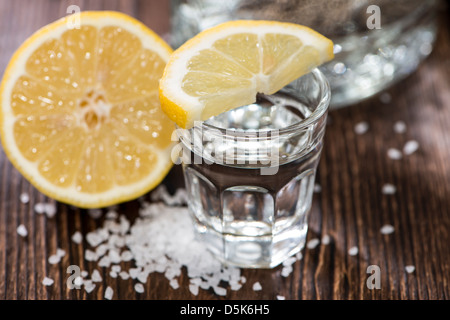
[250, 173]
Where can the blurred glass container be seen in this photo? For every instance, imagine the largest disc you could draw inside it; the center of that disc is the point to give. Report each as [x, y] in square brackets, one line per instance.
[366, 60]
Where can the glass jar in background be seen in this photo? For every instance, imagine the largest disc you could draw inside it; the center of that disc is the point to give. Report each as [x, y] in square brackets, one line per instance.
[366, 60]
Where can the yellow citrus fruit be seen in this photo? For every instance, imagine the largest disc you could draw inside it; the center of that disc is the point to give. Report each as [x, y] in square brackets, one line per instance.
[80, 115]
[225, 66]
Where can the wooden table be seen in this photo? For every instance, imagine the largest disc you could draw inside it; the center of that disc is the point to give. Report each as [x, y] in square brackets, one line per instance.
[351, 208]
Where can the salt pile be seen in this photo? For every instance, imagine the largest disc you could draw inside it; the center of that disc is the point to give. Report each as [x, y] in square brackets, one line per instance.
[160, 240]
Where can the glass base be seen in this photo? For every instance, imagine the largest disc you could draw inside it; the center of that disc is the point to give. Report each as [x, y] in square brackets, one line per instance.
[253, 252]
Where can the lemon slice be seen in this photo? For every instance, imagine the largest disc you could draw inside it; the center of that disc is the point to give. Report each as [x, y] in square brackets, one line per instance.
[226, 66]
[80, 116]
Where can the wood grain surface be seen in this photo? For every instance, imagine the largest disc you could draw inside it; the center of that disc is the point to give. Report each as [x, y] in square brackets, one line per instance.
[351, 208]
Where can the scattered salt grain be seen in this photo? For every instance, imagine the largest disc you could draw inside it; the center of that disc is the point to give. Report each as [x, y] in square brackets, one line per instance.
[50, 209]
[257, 286]
[133, 272]
[60, 252]
[78, 281]
[124, 275]
[361, 127]
[22, 231]
[281, 297]
[104, 262]
[385, 97]
[326, 239]
[89, 286]
[77, 237]
[387, 229]
[47, 282]
[410, 269]
[410, 147]
[95, 276]
[109, 292]
[353, 251]
[394, 154]
[313, 243]
[90, 255]
[116, 268]
[399, 127]
[286, 271]
[317, 188]
[24, 198]
[84, 273]
[126, 256]
[388, 189]
[220, 291]
[174, 284]
[94, 239]
[54, 259]
[113, 274]
[39, 208]
[139, 287]
[193, 289]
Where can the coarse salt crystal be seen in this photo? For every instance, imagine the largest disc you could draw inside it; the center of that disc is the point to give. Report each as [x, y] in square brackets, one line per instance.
[388, 189]
[94, 239]
[90, 255]
[313, 243]
[289, 261]
[193, 289]
[326, 239]
[113, 274]
[39, 208]
[22, 231]
[361, 127]
[54, 259]
[281, 297]
[116, 268]
[47, 281]
[219, 291]
[410, 269]
[410, 147]
[77, 237]
[109, 292]
[387, 229]
[89, 286]
[78, 281]
[104, 262]
[60, 252]
[124, 275]
[286, 271]
[174, 284]
[84, 274]
[353, 251]
[399, 127]
[95, 276]
[24, 197]
[134, 272]
[139, 287]
[50, 209]
[126, 255]
[394, 154]
[257, 286]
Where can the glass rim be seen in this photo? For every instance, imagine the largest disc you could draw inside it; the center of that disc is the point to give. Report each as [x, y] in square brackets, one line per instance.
[319, 111]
